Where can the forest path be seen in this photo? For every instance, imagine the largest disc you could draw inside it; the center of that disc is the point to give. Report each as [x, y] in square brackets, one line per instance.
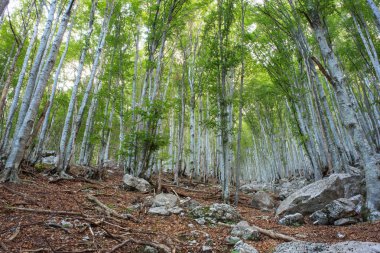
[85, 227]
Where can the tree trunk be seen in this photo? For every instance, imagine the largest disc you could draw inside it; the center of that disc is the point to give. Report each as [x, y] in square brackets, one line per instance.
[19, 144]
[368, 156]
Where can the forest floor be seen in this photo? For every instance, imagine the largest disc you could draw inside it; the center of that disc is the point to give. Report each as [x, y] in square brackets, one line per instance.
[31, 216]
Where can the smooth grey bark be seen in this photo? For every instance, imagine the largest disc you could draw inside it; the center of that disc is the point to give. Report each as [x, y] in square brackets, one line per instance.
[79, 116]
[241, 88]
[12, 164]
[13, 107]
[70, 110]
[376, 13]
[85, 147]
[3, 5]
[45, 124]
[33, 74]
[349, 118]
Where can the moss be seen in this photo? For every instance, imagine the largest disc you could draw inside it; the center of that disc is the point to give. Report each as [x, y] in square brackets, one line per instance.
[41, 167]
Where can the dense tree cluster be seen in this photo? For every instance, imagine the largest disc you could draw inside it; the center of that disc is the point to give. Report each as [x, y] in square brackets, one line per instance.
[252, 90]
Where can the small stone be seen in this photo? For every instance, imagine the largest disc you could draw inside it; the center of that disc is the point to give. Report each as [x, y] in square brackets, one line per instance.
[345, 221]
[340, 235]
[66, 224]
[161, 210]
[190, 225]
[193, 242]
[319, 218]
[244, 231]
[206, 249]
[175, 210]
[232, 240]
[149, 249]
[85, 238]
[292, 220]
[201, 221]
[241, 247]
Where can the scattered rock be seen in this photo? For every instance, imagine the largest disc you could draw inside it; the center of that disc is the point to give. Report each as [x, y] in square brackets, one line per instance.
[149, 249]
[358, 200]
[160, 210]
[340, 235]
[207, 249]
[254, 187]
[217, 212]
[319, 218]
[340, 208]
[242, 247]
[349, 246]
[346, 221]
[189, 203]
[263, 201]
[165, 199]
[315, 196]
[136, 184]
[244, 231]
[292, 220]
[175, 210]
[232, 240]
[201, 221]
[66, 224]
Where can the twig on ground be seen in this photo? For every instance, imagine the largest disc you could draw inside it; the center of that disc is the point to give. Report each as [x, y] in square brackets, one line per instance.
[110, 211]
[15, 234]
[34, 250]
[42, 211]
[156, 245]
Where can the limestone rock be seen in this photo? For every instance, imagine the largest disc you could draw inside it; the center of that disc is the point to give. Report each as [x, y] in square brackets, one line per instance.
[160, 210]
[217, 212]
[242, 247]
[136, 184]
[292, 220]
[340, 208]
[263, 201]
[149, 249]
[319, 218]
[246, 232]
[349, 246]
[315, 196]
[165, 199]
[346, 221]
[254, 187]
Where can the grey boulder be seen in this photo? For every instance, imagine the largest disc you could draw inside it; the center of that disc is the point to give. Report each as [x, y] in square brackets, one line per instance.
[263, 201]
[241, 247]
[244, 231]
[349, 246]
[315, 196]
[136, 184]
[165, 199]
[217, 212]
[291, 220]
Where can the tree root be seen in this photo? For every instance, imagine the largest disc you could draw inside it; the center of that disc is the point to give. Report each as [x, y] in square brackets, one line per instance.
[156, 245]
[110, 211]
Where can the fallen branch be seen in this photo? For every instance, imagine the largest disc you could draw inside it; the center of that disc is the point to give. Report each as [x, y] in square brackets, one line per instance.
[42, 211]
[15, 234]
[156, 245]
[267, 232]
[110, 211]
